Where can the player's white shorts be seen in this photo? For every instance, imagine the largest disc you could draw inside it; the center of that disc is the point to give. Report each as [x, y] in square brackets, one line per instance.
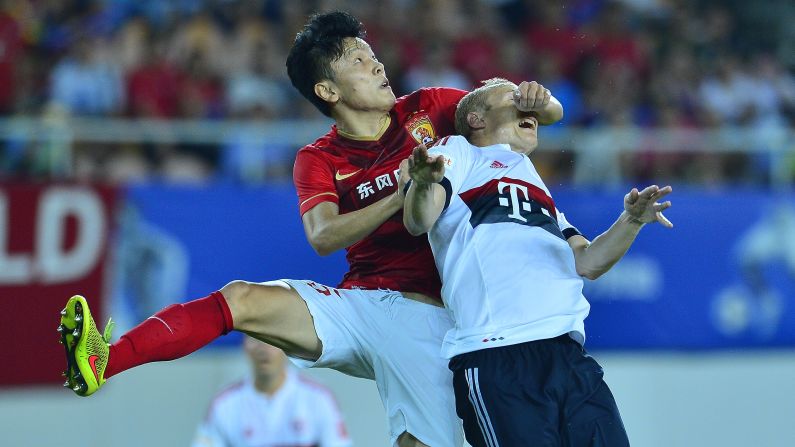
[381, 335]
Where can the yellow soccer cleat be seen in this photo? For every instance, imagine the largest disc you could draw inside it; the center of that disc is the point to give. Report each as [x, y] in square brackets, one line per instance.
[86, 349]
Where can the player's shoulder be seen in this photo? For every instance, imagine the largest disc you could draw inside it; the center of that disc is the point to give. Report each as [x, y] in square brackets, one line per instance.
[451, 143]
[322, 144]
[428, 97]
[324, 149]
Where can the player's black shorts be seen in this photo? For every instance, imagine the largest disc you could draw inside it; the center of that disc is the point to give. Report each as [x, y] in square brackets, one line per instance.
[540, 393]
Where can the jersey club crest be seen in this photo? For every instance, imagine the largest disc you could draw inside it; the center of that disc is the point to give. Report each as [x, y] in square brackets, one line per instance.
[421, 129]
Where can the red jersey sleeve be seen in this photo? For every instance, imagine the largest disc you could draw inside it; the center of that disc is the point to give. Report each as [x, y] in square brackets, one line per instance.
[446, 99]
[313, 176]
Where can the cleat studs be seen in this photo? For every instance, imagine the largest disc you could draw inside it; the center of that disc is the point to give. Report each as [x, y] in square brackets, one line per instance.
[63, 312]
[76, 388]
[63, 374]
[60, 328]
[78, 318]
[66, 384]
[75, 332]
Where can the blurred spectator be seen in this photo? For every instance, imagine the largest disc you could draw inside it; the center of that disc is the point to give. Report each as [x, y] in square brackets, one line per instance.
[649, 63]
[260, 83]
[154, 87]
[10, 53]
[201, 91]
[276, 406]
[86, 84]
[435, 69]
[726, 93]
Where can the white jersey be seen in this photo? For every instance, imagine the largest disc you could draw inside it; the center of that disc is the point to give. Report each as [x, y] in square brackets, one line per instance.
[301, 413]
[508, 274]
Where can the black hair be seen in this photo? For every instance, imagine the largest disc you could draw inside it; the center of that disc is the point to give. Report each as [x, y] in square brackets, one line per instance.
[319, 44]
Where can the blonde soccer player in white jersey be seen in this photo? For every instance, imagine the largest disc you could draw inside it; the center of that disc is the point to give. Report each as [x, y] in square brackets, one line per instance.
[511, 268]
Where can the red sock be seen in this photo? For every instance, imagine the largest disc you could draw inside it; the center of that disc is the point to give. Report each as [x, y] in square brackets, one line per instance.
[174, 332]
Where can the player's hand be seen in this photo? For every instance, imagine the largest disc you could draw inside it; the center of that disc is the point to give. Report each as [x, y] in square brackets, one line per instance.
[531, 96]
[425, 169]
[642, 206]
[403, 178]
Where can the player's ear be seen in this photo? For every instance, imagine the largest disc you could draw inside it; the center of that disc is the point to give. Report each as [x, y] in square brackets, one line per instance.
[327, 91]
[475, 121]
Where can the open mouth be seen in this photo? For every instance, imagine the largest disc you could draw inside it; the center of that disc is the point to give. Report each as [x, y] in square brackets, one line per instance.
[528, 123]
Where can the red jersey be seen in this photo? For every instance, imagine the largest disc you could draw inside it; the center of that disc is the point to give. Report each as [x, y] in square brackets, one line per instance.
[354, 174]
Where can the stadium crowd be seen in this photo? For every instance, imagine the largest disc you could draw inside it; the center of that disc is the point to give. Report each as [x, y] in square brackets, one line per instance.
[669, 64]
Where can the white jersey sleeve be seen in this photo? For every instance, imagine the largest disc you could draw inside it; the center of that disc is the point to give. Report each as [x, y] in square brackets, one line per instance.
[566, 228]
[456, 151]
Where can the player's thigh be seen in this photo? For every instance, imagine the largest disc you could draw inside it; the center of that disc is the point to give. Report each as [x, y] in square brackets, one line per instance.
[502, 401]
[275, 313]
[591, 416]
[412, 376]
[596, 422]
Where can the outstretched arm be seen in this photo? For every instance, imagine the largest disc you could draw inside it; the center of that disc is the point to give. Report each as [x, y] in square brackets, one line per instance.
[640, 207]
[425, 198]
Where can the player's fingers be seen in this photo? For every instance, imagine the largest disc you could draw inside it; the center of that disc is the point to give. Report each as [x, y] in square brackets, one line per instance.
[632, 196]
[532, 93]
[547, 96]
[662, 192]
[528, 94]
[649, 191]
[421, 151]
[663, 220]
[662, 206]
[539, 96]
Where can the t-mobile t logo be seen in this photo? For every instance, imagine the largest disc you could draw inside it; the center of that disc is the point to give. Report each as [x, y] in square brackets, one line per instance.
[517, 203]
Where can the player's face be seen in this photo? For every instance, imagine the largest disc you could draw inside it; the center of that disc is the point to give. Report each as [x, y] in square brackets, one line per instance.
[266, 360]
[360, 79]
[507, 124]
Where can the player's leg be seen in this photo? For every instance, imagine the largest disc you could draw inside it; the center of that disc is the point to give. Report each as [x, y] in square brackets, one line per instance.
[406, 439]
[384, 336]
[504, 397]
[412, 377]
[273, 312]
[591, 417]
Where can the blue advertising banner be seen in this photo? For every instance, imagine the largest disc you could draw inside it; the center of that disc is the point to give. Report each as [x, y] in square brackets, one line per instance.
[723, 277]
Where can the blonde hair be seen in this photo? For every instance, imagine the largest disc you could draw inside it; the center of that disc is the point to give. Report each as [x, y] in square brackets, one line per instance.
[474, 101]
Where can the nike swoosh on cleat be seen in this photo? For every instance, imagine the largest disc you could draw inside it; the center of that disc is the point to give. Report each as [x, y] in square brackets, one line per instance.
[92, 361]
[339, 176]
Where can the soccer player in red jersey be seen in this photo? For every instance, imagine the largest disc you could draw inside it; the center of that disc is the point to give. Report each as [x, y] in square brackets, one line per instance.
[384, 321]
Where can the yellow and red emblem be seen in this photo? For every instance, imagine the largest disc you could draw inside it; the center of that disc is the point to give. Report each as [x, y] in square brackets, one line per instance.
[421, 129]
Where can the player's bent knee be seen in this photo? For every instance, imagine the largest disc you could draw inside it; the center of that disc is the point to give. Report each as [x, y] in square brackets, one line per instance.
[406, 439]
[238, 296]
[252, 303]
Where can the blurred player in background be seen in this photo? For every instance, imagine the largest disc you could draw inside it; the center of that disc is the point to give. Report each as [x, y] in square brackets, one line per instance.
[276, 407]
[511, 266]
[385, 320]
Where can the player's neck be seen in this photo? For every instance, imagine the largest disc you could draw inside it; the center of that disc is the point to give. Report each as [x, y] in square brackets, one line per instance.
[480, 139]
[369, 125]
[269, 384]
